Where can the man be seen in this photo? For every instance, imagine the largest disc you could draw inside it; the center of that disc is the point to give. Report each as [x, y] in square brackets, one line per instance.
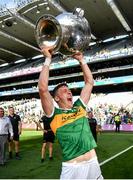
[69, 123]
[93, 124]
[5, 127]
[17, 129]
[48, 138]
[117, 120]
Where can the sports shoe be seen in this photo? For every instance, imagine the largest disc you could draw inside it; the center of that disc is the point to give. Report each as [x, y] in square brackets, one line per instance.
[2, 164]
[50, 158]
[18, 157]
[10, 155]
[42, 160]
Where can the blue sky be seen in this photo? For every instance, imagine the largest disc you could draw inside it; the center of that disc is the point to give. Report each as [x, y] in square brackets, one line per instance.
[9, 3]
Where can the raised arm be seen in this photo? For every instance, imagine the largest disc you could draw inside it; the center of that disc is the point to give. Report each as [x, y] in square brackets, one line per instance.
[88, 78]
[46, 98]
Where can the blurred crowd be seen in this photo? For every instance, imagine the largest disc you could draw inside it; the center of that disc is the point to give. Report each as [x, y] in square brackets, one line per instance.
[105, 114]
[30, 111]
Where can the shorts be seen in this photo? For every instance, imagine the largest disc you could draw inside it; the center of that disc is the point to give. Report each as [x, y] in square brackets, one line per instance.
[84, 170]
[15, 137]
[48, 137]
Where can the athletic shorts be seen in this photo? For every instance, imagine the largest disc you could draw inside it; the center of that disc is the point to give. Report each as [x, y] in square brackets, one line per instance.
[83, 170]
[15, 137]
[48, 137]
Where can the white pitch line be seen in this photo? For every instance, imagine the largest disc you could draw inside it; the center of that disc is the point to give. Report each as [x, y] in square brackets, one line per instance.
[118, 154]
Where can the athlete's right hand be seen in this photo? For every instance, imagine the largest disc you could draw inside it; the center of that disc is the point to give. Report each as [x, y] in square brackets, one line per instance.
[47, 52]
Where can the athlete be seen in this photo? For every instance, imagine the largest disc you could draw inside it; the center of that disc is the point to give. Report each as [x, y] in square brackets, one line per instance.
[69, 122]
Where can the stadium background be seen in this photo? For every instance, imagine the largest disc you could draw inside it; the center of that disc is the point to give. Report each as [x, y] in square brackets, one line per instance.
[110, 54]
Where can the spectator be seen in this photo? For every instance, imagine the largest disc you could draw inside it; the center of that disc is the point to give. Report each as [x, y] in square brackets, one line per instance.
[93, 124]
[5, 127]
[117, 120]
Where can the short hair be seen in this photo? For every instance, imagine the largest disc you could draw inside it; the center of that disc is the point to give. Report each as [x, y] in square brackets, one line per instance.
[9, 107]
[57, 87]
[1, 108]
[89, 110]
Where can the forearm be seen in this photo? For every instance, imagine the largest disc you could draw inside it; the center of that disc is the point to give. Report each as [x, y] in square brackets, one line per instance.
[88, 78]
[46, 98]
[39, 125]
[20, 128]
[89, 82]
[44, 76]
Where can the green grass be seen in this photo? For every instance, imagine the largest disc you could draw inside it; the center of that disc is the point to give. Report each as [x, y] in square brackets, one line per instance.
[110, 144]
[120, 167]
[29, 167]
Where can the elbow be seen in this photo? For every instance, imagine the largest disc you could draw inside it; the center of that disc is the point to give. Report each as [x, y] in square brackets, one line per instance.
[43, 89]
[90, 82]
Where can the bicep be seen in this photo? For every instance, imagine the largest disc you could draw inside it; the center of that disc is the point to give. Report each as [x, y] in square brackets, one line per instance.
[86, 93]
[47, 102]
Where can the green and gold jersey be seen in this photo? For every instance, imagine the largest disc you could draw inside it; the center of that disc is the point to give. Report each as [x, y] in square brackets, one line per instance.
[72, 130]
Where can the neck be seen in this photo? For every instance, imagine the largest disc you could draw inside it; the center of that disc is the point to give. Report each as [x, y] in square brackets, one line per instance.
[64, 106]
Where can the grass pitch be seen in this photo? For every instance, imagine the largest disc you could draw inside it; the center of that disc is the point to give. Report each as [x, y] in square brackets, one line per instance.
[30, 166]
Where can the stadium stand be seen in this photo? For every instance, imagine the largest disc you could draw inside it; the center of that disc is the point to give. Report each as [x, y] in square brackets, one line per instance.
[110, 61]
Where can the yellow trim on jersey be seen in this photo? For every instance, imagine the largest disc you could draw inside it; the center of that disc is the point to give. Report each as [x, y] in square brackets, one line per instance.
[62, 119]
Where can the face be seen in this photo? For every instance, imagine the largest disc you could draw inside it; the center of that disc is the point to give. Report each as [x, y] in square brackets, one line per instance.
[11, 111]
[1, 112]
[90, 115]
[64, 97]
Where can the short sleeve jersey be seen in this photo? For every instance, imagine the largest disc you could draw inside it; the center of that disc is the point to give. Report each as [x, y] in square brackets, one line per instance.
[92, 123]
[72, 130]
[46, 124]
[15, 119]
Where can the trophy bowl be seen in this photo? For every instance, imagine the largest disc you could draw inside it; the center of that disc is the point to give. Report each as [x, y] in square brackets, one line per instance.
[66, 33]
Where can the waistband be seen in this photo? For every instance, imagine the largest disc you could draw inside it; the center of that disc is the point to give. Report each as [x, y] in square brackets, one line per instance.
[80, 163]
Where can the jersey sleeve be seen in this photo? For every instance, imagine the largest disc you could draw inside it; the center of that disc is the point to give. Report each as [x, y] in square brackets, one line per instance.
[50, 118]
[79, 102]
[18, 117]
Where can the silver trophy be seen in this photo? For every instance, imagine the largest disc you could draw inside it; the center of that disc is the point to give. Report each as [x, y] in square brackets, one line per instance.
[66, 33]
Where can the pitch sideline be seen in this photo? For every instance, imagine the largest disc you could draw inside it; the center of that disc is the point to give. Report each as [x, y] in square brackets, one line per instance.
[118, 154]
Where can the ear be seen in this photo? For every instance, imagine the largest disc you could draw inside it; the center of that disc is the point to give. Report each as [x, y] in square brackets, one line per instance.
[56, 99]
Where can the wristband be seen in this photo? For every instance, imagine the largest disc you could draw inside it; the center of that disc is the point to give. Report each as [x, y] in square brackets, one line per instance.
[47, 61]
[82, 62]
